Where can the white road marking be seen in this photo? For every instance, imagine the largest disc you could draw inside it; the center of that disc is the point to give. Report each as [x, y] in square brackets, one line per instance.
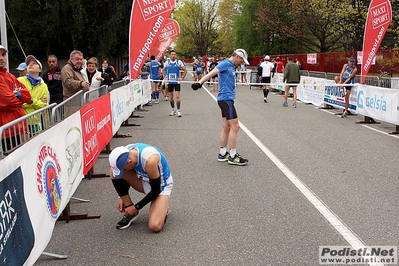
[328, 214]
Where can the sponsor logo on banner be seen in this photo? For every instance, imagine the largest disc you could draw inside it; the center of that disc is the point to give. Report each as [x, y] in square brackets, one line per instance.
[97, 129]
[146, 22]
[73, 153]
[170, 31]
[378, 19]
[371, 101]
[117, 108]
[47, 178]
[152, 8]
[16, 232]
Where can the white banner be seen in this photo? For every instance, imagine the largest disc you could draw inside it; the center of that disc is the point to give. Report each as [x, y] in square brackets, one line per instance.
[121, 101]
[311, 90]
[146, 89]
[35, 191]
[378, 103]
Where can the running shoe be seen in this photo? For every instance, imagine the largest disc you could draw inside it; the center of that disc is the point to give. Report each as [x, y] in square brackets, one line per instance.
[344, 114]
[178, 114]
[172, 113]
[265, 99]
[223, 158]
[237, 160]
[294, 105]
[126, 221]
[285, 104]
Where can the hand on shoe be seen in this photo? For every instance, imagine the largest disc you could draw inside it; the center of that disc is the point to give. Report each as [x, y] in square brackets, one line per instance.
[196, 86]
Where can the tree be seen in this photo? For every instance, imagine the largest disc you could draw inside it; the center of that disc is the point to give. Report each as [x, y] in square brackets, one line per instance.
[227, 12]
[198, 31]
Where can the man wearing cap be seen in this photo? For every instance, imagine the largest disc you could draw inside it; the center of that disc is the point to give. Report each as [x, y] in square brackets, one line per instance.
[21, 69]
[226, 96]
[145, 168]
[267, 68]
[347, 76]
[38, 90]
[12, 95]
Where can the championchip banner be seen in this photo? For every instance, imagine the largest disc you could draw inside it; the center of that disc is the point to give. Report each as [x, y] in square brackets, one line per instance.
[34, 191]
[378, 19]
[146, 23]
[168, 34]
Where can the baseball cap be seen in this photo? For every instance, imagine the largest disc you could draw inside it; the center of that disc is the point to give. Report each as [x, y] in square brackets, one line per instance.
[118, 159]
[351, 59]
[30, 58]
[267, 57]
[243, 54]
[3, 48]
[22, 67]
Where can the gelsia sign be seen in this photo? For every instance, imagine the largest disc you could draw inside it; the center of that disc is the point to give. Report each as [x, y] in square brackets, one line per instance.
[146, 23]
[97, 129]
[378, 19]
[168, 34]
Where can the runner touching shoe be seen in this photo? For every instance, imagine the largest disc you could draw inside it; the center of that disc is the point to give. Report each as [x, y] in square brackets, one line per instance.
[226, 96]
[145, 168]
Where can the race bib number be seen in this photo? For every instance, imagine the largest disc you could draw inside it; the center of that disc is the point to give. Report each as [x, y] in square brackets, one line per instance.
[172, 76]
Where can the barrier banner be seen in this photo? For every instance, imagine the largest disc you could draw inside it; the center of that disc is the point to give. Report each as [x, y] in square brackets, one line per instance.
[335, 96]
[168, 34]
[146, 22]
[120, 106]
[378, 19]
[97, 129]
[378, 103]
[311, 90]
[35, 190]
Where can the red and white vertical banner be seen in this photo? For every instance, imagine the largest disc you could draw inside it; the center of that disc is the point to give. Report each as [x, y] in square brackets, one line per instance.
[168, 35]
[378, 19]
[146, 23]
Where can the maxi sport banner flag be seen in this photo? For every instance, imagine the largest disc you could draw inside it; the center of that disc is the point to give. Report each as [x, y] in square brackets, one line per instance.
[170, 31]
[146, 22]
[378, 19]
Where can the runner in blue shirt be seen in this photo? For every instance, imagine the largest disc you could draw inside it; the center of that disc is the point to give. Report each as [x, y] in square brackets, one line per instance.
[154, 76]
[145, 168]
[171, 74]
[226, 96]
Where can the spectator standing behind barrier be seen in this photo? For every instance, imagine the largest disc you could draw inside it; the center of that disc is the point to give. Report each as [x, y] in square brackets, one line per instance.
[12, 95]
[243, 70]
[347, 76]
[145, 168]
[274, 67]
[212, 66]
[171, 74]
[280, 65]
[292, 75]
[92, 76]
[107, 72]
[38, 90]
[72, 79]
[21, 69]
[267, 68]
[52, 77]
[226, 96]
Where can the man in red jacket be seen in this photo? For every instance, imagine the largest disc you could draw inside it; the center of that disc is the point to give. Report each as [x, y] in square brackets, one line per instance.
[12, 95]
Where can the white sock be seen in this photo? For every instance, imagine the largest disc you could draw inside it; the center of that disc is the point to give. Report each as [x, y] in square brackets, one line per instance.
[223, 150]
[233, 153]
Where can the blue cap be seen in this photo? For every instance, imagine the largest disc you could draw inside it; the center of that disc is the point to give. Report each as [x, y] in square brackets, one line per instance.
[21, 67]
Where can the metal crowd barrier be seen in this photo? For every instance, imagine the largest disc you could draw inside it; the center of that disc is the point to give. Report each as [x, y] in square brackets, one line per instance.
[19, 131]
[93, 94]
[67, 107]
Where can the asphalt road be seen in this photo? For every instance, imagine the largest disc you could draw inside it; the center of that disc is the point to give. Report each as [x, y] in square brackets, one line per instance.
[313, 179]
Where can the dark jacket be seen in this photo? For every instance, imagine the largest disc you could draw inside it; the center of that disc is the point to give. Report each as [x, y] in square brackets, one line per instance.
[108, 75]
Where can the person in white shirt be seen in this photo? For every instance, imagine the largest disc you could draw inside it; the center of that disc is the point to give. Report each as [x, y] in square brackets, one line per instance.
[267, 67]
[92, 76]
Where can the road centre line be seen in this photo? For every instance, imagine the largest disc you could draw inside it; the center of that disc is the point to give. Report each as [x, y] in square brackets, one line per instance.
[324, 210]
